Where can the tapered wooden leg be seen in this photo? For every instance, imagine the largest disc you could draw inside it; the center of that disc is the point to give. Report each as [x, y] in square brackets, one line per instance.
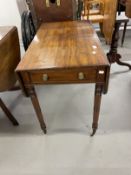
[37, 108]
[97, 103]
[124, 32]
[8, 113]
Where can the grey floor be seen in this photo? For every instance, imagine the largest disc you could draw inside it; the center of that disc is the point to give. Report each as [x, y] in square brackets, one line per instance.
[68, 149]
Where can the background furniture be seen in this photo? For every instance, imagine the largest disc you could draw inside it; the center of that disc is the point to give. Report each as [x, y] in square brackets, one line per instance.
[110, 9]
[27, 28]
[122, 19]
[52, 10]
[105, 15]
[94, 11]
[39, 11]
[113, 55]
[64, 53]
[121, 6]
[128, 8]
[9, 58]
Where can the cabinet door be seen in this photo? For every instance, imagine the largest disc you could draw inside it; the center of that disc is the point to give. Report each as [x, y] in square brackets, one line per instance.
[110, 10]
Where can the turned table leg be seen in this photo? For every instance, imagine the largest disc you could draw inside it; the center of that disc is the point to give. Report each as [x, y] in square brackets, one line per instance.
[113, 56]
[97, 103]
[37, 108]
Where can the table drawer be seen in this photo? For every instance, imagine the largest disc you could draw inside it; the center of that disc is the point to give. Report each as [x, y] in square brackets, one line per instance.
[66, 76]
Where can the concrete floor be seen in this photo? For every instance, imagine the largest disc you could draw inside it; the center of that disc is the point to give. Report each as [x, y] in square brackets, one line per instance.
[68, 149]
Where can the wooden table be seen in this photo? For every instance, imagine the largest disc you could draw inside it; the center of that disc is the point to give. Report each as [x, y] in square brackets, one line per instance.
[64, 53]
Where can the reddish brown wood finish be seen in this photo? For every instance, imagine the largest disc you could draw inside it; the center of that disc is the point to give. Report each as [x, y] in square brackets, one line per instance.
[35, 103]
[41, 12]
[9, 58]
[128, 8]
[110, 10]
[64, 52]
[113, 55]
[97, 99]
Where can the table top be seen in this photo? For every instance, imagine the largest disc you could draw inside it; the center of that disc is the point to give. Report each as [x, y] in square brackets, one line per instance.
[59, 45]
[4, 30]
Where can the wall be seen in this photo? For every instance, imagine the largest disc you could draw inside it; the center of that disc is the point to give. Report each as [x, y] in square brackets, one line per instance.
[10, 14]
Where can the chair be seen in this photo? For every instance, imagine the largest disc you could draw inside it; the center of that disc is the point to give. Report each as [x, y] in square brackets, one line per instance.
[9, 58]
[94, 11]
[52, 10]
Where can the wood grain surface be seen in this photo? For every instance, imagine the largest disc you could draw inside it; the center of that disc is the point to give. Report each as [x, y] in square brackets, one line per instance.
[59, 45]
[9, 56]
[109, 19]
[43, 13]
[64, 52]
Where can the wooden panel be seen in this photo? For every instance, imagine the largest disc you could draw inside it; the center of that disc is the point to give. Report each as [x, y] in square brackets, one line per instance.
[109, 19]
[128, 8]
[64, 45]
[42, 13]
[70, 76]
[9, 56]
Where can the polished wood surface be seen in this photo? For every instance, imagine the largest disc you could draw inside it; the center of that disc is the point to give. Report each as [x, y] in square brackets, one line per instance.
[109, 19]
[106, 16]
[9, 59]
[113, 55]
[47, 11]
[64, 52]
[128, 8]
[9, 56]
[64, 45]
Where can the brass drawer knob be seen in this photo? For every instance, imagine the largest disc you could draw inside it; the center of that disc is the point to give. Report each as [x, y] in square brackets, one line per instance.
[58, 2]
[45, 77]
[47, 3]
[81, 76]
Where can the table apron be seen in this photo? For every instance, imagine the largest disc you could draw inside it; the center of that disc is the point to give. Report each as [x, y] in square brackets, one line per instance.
[65, 76]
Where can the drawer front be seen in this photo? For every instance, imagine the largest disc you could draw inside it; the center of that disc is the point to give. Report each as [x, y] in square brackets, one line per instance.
[66, 76]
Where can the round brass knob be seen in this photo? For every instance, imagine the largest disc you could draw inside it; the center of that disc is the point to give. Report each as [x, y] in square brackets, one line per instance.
[45, 77]
[81, 76]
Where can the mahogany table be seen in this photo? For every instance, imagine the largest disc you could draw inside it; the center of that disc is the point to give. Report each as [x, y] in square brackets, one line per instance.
[64, 53]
